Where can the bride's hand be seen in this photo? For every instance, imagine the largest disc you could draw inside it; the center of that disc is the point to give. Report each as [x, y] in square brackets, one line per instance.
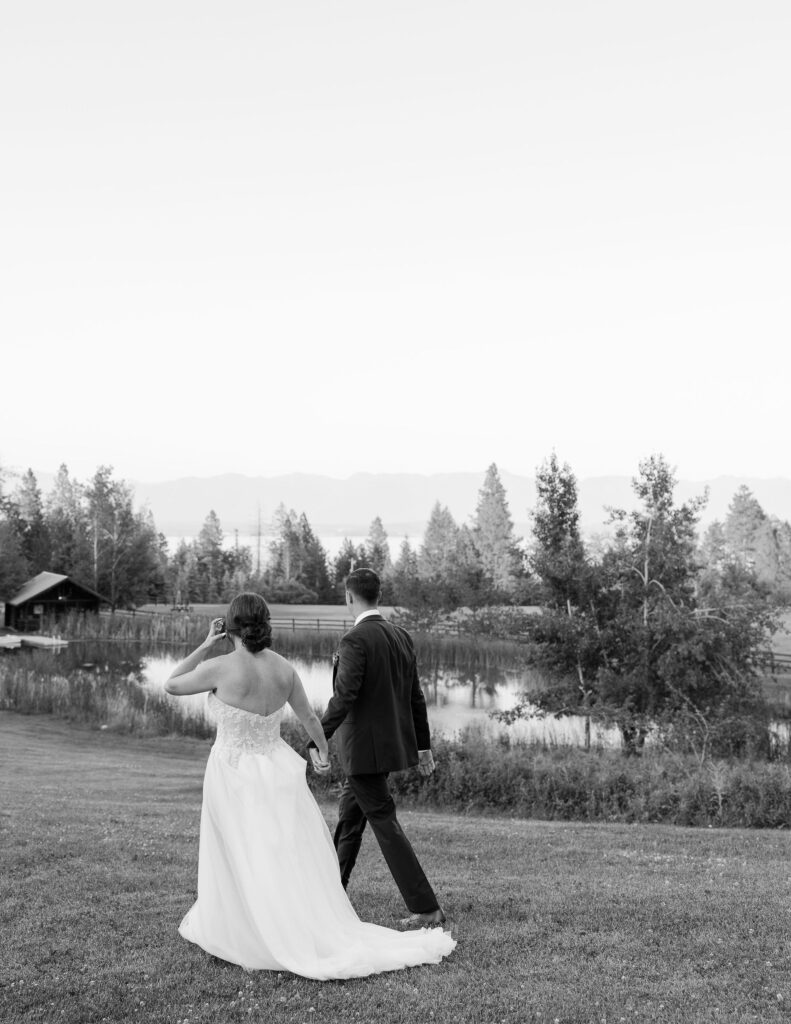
[321, 767]
[216, 632]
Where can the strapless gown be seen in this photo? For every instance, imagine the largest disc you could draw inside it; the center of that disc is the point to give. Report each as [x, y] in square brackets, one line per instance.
[269, 889]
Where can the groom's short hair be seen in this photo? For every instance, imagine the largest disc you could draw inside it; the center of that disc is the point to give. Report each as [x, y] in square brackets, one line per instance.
[365, 584]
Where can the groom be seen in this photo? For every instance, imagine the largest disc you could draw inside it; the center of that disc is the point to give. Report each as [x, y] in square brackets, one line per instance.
[379, 712]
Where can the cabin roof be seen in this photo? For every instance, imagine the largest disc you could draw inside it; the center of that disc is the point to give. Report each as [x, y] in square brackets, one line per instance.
[42, 583]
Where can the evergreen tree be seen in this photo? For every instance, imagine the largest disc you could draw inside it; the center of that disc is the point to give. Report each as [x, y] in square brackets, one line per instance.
[494, 536]
[468, 583]
[406, 578]
[714, 547]
[756, 542]
[210, 566]
[314, 573]
[743, 523]
[377, 550]
[349, 557]
[558, 555]
[449, 568]
[298, 570]
[438, 550]
[34, 532]
[67, 524]
[14, 568]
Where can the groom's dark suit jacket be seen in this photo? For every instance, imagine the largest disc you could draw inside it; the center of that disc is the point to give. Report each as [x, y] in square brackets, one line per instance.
[377, 708]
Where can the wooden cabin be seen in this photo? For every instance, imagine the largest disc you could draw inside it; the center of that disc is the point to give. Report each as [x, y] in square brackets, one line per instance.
[46, 595]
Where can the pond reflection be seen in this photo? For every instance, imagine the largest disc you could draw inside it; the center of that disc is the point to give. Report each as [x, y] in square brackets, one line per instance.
[457, 698]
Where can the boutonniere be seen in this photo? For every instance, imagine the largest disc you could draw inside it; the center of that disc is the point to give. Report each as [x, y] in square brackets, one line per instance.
[336, 658]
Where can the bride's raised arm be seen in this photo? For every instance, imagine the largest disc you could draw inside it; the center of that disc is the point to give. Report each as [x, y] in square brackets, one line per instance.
[189, 676]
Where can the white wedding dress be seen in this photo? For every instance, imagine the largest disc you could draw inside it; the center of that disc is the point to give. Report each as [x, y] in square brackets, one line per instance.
[269, 888]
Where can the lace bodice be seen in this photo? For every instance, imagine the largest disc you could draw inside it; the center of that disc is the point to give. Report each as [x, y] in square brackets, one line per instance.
[243, 732]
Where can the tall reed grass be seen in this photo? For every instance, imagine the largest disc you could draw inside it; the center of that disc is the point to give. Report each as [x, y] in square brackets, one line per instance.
[466, 653]
[128, 627]
[98, 697]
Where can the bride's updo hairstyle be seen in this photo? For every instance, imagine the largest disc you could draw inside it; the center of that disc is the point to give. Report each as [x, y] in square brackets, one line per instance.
[248, 618]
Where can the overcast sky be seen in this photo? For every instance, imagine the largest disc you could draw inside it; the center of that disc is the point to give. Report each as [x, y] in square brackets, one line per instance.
[288, 236]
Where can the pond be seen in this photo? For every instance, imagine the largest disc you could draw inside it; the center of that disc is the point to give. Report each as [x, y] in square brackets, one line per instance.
[455, 700]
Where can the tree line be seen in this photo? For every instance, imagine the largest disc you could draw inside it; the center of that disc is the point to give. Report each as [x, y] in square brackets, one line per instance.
[92, 532]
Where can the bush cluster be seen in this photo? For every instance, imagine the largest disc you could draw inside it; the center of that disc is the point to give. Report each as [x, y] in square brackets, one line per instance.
[475, 775]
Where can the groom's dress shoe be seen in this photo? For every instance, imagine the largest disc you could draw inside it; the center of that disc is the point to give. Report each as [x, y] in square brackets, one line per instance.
[430, 920]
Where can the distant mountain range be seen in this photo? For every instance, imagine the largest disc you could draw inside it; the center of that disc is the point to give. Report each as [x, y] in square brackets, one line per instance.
[404, 500]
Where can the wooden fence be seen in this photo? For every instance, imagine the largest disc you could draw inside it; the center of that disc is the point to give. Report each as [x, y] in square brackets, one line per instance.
[317, 625]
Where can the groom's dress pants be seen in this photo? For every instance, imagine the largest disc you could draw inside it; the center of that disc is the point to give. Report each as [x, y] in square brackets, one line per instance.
[367, 798]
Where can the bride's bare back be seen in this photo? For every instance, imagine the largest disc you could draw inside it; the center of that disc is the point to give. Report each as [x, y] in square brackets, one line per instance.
[261, 683]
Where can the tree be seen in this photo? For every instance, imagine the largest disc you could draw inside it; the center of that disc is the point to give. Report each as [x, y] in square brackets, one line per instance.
[750, 538]
[237, 572]
[209, 556]
[783, 583]
[493, 532]
[349, 557]
[14, 568]
[15, 564]
[450, 573]
[637, 646]
[297, 571]
[469, 585]
[558, 555]
[182, 575]
[743, 522]
[377, 549]
[125, 545]
[32, 524]
[67, 523]
[377, 557]
[714, 554]
[313, 572]
[406, 578]
[284, 550]
[436, 554]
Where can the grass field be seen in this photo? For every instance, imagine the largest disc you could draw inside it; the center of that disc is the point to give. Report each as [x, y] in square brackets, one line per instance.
[556, 922]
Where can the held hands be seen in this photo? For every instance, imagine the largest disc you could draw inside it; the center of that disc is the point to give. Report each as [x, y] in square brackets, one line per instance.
[425, 763]
[321, 766]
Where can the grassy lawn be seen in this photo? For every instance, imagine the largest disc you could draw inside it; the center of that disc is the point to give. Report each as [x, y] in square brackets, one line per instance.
[557, 922]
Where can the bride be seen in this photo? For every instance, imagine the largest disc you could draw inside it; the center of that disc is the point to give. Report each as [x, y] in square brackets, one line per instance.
[269, 888]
